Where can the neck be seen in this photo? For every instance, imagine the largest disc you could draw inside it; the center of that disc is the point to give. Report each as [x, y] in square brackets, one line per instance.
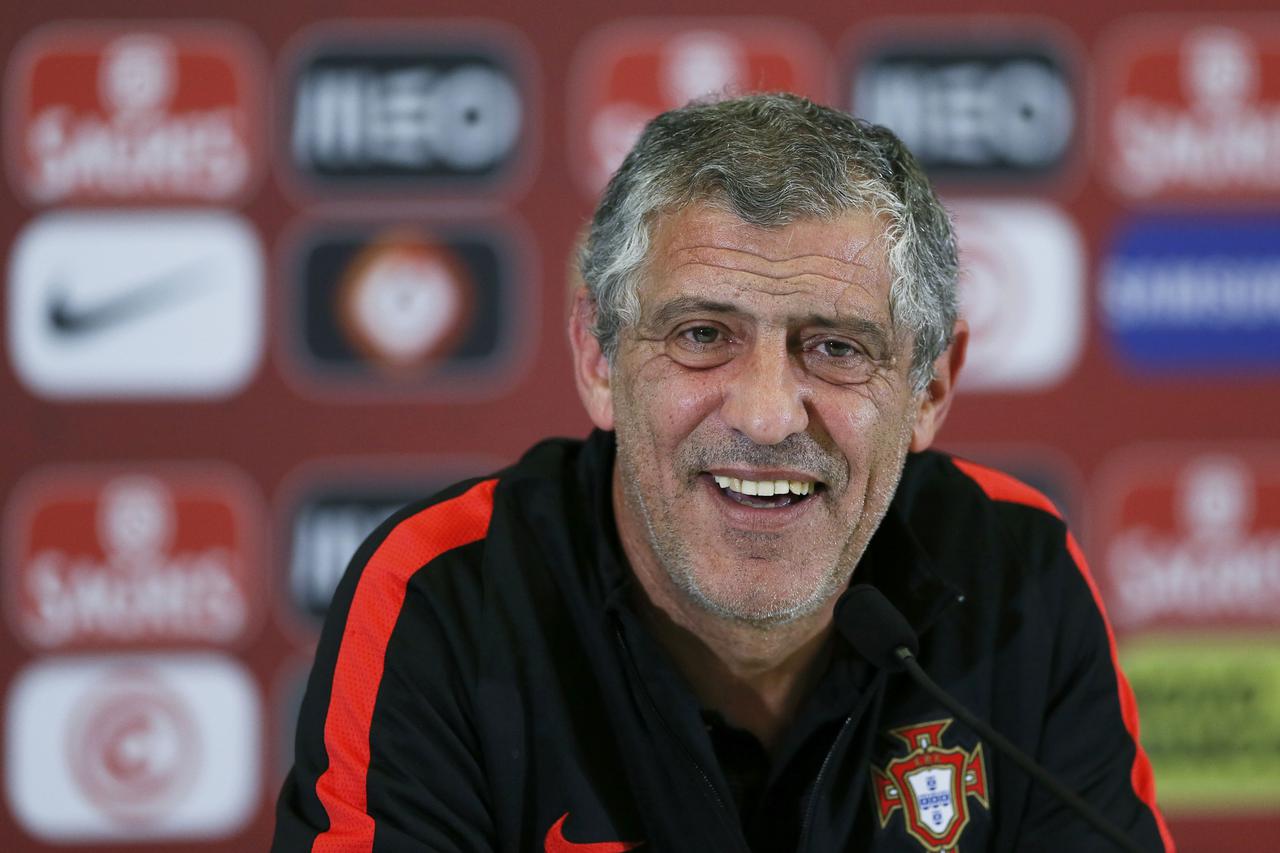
[755, 676]
[755, 679]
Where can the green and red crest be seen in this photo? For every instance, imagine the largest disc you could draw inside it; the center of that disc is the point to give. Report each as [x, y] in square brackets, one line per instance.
[932, 785]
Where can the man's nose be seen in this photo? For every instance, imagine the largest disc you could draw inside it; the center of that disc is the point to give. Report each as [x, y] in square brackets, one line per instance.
[765, 398]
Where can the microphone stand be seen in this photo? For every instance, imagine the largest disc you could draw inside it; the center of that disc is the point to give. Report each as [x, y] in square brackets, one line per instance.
[1097, 821]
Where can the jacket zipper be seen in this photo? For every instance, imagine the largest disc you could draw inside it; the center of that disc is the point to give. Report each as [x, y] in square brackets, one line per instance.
[807, 826]
[722, 812]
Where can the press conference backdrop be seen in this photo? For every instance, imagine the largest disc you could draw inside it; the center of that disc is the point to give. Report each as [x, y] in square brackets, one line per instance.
[273, 269]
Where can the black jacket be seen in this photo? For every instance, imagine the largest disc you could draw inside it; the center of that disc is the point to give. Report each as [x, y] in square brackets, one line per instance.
[482, 683]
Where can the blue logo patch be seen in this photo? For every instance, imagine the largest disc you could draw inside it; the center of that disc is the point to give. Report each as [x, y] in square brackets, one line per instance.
[1199, 293]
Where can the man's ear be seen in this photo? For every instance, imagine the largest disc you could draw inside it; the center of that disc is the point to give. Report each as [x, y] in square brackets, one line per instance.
[935, 399]
[590, 367]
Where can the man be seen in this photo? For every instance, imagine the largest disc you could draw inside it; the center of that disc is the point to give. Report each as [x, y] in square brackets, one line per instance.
[632, 642]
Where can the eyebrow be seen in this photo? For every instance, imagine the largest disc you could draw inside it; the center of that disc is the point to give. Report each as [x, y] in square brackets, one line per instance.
[859, 327]
[682, 305]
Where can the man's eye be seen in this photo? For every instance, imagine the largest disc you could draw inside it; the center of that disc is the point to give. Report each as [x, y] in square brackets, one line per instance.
[838, 349]
[839, 362]
[701, 346]
[703, 334]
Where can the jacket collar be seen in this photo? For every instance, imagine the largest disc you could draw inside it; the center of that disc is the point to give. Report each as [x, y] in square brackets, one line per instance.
[896, 563]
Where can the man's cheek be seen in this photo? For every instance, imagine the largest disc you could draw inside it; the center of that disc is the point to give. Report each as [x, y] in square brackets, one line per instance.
[673, 404]
[863, 412]
[691, 405]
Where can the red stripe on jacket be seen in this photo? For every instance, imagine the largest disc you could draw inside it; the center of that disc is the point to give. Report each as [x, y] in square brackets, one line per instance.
[1001, 487]
[375, 607]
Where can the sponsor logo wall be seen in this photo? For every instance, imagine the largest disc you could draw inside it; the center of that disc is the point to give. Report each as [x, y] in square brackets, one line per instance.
[971, 101]
[101, 113]
[407, 307]
[1022, 291]
[413, 109]
[1195, 293]
[135, 558]
[627, 73]
[1191, 568]
[138, 748]
[268, 278]
[96, 298]
[1190, 110]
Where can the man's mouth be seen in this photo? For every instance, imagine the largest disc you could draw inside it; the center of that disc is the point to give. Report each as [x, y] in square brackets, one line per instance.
[765, 494]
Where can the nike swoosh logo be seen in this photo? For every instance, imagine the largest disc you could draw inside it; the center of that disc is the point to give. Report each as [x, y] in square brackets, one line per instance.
[68, 320]
[557, 843]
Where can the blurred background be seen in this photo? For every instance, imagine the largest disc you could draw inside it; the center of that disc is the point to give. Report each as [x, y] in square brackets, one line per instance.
[273, 269]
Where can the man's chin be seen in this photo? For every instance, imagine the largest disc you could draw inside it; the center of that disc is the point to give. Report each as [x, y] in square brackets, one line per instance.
[756, 602]
[762, 615]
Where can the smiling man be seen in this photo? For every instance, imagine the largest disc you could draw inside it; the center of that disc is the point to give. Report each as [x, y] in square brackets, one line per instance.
[634, 642]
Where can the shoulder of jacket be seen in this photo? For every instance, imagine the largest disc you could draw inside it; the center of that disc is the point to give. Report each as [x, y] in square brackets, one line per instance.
[422, 532]
[461, 514]
[978, 523]
[935, 474]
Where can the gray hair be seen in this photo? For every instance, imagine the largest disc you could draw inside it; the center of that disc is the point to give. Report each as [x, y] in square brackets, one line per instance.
[772, 159]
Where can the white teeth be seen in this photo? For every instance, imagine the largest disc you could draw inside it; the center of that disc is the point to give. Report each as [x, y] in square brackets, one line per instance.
[764, 488]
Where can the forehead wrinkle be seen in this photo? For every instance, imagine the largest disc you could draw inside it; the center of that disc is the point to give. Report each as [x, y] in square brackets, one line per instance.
[789, 266]
[732, 291]
[736, 235]
[762, 280]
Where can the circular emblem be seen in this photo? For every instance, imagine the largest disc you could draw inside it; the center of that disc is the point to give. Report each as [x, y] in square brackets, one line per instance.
[133, 748]
[1220, 69]
[404, 301]
[138, 75]
[135, 518]
[1216, 497]
[994, 304]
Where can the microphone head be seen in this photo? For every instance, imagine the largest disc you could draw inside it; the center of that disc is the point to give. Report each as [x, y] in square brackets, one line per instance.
[873, 626]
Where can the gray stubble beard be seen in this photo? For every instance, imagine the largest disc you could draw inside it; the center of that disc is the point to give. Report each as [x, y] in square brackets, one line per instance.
[673, 557]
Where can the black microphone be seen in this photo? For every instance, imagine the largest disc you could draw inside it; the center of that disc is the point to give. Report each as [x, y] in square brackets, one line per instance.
[881, 634]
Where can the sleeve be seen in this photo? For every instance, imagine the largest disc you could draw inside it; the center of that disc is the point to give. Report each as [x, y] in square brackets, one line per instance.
[387, 759]
[1089, 739]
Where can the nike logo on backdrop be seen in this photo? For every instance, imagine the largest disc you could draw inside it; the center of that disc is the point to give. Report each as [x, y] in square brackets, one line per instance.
[69, 320]
[557, 843]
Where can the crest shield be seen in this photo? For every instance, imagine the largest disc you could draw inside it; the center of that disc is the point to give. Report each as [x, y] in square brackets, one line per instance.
[932, 786]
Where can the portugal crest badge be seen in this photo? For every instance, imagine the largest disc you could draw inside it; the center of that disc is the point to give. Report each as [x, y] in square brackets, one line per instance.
[932, 786]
